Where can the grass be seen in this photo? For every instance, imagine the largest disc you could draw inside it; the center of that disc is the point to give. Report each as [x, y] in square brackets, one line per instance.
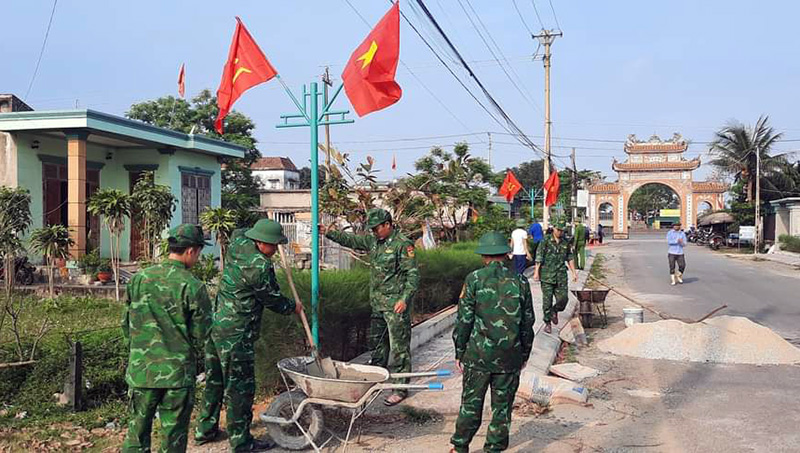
[789, 243]
[420, 416]
[597, 271]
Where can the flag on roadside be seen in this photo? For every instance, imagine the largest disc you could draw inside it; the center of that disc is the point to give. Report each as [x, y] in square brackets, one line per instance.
[182, 81]
[247, 66]
[394, 162]
[510, 186]
[551, 187]
[369, 74]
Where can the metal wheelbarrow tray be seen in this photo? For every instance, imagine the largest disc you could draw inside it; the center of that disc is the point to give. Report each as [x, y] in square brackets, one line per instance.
[355, 388]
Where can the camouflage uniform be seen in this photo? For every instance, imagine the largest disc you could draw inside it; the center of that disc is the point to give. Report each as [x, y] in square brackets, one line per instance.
[579, 245]
[166, 320]
[248, 285]
[394, 277]
[553, 257]
[493, 338]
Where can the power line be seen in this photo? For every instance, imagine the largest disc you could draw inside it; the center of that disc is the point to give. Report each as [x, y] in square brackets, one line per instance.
[41, 51]
[522, 18]
[510, 123]
[536, 10]
[555, 17]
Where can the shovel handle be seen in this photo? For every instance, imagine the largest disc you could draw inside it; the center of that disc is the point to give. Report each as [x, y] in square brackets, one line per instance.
[302, 315]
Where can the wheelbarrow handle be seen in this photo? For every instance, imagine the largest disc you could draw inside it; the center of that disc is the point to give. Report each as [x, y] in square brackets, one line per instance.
[436, 373]
[428, 386]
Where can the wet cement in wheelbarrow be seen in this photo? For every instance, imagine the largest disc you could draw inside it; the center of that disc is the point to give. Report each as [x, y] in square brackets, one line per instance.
[344, 372]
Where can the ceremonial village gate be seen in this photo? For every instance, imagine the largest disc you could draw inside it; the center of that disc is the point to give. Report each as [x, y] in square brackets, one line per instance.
[653, 161]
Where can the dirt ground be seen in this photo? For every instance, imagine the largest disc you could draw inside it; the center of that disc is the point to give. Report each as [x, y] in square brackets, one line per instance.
[634, 405]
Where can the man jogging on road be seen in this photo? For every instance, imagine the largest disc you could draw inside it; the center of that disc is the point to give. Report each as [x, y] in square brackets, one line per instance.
[676, 239]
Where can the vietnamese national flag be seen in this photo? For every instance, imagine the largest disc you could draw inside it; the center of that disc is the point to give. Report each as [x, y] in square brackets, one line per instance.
[510, 186]
[369, 74]
[246, 67]
[182, 81]
[551, 186]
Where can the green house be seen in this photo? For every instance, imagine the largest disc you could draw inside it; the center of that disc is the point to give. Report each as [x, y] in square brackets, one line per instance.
[64, 156]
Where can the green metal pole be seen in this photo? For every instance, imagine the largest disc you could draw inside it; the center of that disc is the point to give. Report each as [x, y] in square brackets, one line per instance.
[533, 197]
[314, 124]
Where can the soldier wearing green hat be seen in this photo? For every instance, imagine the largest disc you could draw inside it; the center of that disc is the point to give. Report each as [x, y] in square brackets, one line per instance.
[393, 281]
[493, 338]
[247, 286]
[167, 317]
[551, 269]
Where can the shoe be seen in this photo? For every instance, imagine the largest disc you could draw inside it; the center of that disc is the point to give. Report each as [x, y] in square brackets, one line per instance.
[673, 279]
[554, 319]
[258, 445]
[394, 399]
[679, 276]
[547, 328]
[208, 438]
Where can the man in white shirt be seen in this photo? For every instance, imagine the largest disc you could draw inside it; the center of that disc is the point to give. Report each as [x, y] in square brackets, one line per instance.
[519, 247]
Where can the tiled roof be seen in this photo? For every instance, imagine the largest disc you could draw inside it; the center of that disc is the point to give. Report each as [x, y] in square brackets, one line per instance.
[606, 187]
[656, 166]
[273, 163]
[709, 186]
[667, 147]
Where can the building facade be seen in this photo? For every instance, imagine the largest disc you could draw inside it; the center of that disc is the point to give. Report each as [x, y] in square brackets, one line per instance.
[63, 157]
[276, 173]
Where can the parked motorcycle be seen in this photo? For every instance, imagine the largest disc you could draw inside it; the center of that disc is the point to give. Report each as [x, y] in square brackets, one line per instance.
[23, 271]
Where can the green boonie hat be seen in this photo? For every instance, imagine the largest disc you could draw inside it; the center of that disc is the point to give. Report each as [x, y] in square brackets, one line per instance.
[377, 216]
[522, 223]
[268, 231]
[560, 224]
[493, 243]
[187, 235]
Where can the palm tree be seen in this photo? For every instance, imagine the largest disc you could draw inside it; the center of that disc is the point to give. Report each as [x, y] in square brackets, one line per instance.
[735, 148]
[222, 222]
[114, 206]
[53, 242]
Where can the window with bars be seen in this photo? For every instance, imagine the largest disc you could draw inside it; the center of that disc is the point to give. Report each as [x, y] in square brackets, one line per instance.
[195, 196]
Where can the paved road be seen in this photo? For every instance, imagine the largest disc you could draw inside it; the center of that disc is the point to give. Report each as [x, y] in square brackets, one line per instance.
[765, 292]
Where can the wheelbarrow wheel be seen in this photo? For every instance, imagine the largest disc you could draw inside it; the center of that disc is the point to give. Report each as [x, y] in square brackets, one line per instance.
[289, 436]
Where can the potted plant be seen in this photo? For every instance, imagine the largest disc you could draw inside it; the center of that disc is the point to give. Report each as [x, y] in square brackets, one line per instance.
[89, 263]
[53, 242]
[104, 271]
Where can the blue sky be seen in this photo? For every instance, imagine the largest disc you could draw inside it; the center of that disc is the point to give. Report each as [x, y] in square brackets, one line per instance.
[622, 67]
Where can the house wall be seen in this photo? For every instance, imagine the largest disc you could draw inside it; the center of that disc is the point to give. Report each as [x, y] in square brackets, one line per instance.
[287, 180]
[112, 175]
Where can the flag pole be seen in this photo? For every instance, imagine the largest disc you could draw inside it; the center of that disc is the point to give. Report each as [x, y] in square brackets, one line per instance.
[309, 116]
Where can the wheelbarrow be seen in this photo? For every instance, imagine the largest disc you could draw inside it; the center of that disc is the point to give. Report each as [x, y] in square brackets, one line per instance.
[592, 300]
[294, 420]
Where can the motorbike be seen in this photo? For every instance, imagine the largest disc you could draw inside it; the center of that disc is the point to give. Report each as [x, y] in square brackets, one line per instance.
[23, 271]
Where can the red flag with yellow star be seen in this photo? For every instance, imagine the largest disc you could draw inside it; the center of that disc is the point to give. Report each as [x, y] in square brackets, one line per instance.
[369, 75]
[510, 186]
[246, 67]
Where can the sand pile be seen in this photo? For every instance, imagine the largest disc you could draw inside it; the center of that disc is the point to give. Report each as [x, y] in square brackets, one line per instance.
[725, 339]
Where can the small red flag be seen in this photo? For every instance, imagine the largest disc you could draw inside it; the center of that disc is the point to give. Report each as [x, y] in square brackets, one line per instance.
[510, 186]
[369, 75]
[246, 67]
[182, 81]
[394, 162]
[551, 186]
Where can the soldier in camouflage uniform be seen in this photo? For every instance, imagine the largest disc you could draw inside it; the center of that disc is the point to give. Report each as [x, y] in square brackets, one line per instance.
[166, 320]
[551, 256]
[248, 285]
[493, 338]
[393, 281]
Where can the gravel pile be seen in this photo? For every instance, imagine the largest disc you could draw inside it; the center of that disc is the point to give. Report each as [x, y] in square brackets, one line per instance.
[725, 339]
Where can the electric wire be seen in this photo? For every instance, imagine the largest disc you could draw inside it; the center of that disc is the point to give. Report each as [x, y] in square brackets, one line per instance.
[536, 10]
[522, 18]
[555, 17]
[41, 51]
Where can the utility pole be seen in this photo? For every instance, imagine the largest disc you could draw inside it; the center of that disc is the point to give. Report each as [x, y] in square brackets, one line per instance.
[326, 82]
[546, 38]
[574, 188]
[489, 155]
[758, 201]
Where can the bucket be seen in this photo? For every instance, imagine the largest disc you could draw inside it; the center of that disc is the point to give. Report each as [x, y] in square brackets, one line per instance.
[633, 316]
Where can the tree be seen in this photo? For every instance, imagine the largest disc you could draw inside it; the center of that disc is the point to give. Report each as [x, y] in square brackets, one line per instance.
[222, 222]
[153, 204]
[15, 219]
[529, 174]
[239, 187]
[305, 177]
[734, 147]
[565, 179]
[454, 183]
[114, 206]
[53, 242]
[650, 198]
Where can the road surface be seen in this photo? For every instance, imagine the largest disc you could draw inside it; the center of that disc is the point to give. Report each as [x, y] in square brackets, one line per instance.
[764, 292]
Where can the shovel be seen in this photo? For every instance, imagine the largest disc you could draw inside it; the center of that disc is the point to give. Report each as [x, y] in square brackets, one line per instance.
[325, 365]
